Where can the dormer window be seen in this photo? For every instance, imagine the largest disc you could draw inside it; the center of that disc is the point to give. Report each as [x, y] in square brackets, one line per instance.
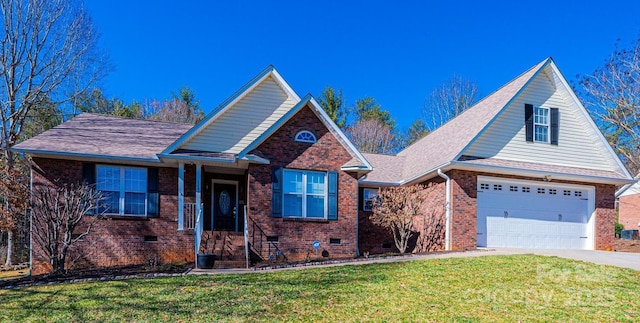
[305, 136]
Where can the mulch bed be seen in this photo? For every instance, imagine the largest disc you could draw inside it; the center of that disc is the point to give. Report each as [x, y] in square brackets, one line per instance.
[100, 274]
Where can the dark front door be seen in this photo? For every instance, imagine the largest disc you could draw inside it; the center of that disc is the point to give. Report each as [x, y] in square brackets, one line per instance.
[224, 207]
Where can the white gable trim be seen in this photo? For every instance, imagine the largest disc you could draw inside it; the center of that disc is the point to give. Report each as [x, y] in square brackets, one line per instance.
[609, 154]
[324, 118]
[229, 102]
[513, 98]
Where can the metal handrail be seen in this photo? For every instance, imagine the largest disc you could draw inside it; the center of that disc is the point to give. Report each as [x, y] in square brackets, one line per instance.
[263, 238]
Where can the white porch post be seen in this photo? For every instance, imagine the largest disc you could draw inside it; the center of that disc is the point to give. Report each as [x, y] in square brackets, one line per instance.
[180, 196]
[198, 191]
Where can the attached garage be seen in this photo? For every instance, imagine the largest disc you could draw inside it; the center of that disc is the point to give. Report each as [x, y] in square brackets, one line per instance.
[530, 214]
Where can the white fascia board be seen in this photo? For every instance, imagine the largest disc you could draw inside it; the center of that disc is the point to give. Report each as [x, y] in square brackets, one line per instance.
[336, 131]
[197, 158]
[611, 154]
[256, 159]
[539, 173]
[426, 175]
[369, 184]
[89, 157]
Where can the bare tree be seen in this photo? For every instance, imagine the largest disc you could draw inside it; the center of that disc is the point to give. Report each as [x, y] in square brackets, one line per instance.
[612, 94]
[395, 209]
[449, 100]
[60, 219]
[47, 54]
[372, 136]
[14, 203]
[181, 108]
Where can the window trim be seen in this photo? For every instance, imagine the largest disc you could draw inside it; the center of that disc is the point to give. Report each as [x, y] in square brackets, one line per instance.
[304, 194]
[122, 191]
[308, 133]
[539, 124]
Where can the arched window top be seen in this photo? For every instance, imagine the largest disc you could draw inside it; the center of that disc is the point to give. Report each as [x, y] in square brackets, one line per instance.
[305, 136]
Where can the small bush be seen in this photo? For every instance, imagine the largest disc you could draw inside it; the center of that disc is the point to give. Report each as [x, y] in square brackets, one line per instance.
[619, 228]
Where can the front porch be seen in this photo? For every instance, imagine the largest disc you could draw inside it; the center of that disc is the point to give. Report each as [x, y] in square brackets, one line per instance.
[212, 202]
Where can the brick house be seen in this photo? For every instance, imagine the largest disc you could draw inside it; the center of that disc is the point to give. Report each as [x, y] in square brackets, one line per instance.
[524, 167]
[171, 189]
[628, 198]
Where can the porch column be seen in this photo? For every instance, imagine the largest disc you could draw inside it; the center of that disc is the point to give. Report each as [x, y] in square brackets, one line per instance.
[198, 192]
[180, 196]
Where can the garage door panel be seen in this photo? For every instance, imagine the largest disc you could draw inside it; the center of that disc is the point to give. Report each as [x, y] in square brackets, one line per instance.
[536, 216]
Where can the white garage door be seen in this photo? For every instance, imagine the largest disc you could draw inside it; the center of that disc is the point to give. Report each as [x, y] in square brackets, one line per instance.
[525, 214]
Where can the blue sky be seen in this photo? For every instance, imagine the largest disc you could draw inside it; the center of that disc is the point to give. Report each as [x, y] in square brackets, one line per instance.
[396, 52]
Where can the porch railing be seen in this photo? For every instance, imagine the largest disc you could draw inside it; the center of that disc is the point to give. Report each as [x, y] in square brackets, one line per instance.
[261, 245]
[190, 215]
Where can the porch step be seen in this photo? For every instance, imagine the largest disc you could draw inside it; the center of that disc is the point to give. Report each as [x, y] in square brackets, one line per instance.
[220, 264]
[227, 246]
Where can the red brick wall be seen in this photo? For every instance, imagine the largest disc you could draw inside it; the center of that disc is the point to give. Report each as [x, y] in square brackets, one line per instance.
[629, 211]
[464, 209]
[464, 212]
[295, 237]
[120, 241]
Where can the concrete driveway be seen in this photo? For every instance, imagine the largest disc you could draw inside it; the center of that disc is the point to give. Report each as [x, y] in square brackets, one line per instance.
[618, 259]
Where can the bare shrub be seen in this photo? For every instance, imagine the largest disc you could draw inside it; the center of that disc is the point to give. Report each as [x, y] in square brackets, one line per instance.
[61, 217]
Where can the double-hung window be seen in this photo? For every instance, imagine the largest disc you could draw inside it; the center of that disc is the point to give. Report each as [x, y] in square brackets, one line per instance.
[304, 194]
[124, 190]
[541, 124]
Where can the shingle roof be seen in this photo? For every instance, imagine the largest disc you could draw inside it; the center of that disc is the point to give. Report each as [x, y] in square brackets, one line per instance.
[101, 135]
[447, 142]
[444, 144]
[387, 168]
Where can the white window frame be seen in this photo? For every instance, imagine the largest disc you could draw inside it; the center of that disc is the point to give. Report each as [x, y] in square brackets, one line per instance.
[305, 133]
[538, 124]
[305, 194]
[369, 195]
[123, 191]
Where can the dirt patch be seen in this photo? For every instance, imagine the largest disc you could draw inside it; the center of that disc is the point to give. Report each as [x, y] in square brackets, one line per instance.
[628, 245]
[99, 274]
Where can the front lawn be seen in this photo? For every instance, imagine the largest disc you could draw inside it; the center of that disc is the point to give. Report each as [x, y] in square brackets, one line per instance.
[490, 288]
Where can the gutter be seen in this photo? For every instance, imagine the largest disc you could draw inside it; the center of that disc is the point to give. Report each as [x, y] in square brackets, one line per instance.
[447, 233]
[82, 156]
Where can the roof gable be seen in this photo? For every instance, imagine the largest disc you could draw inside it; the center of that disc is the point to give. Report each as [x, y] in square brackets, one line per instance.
[445, 144]
[452, 144]
[580, 145]
[359, 162]
[242, 118]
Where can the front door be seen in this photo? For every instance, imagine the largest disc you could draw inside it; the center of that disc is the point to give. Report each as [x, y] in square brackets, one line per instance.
[224, 205]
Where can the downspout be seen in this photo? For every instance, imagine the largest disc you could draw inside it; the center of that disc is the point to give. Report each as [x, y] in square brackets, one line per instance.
[447, 208]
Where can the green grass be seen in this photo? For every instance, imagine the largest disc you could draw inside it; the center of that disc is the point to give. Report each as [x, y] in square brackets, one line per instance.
[490, 288]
